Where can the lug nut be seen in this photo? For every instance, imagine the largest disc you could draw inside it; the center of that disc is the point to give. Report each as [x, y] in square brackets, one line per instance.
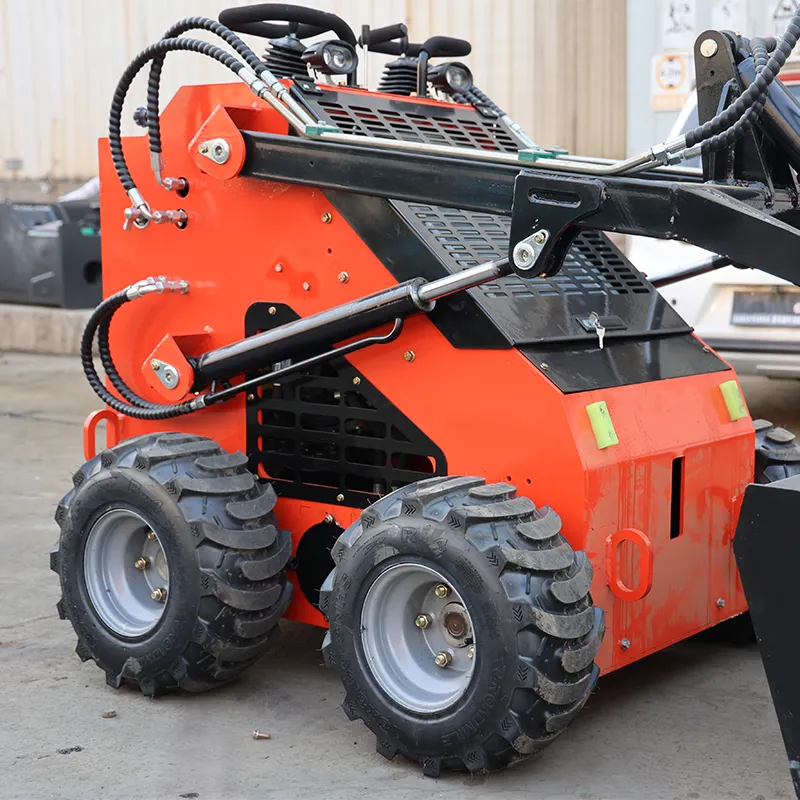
[443, 659]
[442, 591]
[422, 620]
[151, 535]
[471, 651]
[159, 595]
[141, 563]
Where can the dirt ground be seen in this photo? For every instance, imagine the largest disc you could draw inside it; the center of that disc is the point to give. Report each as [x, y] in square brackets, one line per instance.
[694, 721]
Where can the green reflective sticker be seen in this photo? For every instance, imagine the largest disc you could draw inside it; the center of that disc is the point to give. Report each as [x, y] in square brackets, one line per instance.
[601, 423]
[534, 154]
[87, 230]
[733, 400]
[316, 130]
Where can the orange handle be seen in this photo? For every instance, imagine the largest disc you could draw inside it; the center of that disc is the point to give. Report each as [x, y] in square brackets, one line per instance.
[645, 548]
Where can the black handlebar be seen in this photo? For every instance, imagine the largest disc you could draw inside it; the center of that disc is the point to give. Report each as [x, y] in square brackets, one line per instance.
[446, 46]
[303, 22]
[378, 36]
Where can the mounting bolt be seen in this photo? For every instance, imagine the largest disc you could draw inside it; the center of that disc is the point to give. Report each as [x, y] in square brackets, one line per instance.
[524, 255]
[343, 277]
[708, 48]
[159, 595]
[539, 237]
[260, 735]
[471, 651]
[544, 366]
[329, 520]
[272, 311]
[443, 659]
[339, 498]
[279, 268]
[356, 381]
[155, 365]
[251, 396]
[306, 287]
[141, 563]
[423, 620]
[720, 602]
[409, 355]
[442, 591]
[151, 535]
[624, 643]
[203, 148]
[706, 349]
[326, 217]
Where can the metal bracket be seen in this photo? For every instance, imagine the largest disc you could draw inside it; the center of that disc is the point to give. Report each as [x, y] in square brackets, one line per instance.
[217, 150]
[165, 372]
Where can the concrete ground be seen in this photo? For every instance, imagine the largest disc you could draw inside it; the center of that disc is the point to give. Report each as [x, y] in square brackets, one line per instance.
[694, 721]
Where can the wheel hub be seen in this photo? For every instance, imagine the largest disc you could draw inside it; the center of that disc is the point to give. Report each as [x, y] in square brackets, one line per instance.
[126, 573]
[416, 632]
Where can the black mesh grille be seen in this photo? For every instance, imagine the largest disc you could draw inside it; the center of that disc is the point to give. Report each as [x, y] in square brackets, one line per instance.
[416, 122]
[331, 433]
[468, 238]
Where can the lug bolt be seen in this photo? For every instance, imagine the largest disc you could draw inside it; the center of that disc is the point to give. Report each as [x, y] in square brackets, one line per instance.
[422, 620]
[151, 535]
[141, 563]
[326, 217]
[624, 643]
[442, 591]
[443, 659]
[409, 355]
[343, 277]
[720, 602]
[471, 651]
[159, 595]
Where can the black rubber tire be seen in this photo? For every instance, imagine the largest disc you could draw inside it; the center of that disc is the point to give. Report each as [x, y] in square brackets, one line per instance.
[527, 593]
[227, 558]
[777, 452]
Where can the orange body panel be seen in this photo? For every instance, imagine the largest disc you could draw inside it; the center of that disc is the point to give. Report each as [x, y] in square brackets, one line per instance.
[491, 411]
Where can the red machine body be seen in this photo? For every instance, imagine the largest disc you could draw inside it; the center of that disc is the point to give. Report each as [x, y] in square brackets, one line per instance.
[655, 512]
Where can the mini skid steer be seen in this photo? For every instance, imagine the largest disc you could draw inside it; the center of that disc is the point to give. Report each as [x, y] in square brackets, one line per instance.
[390, 377]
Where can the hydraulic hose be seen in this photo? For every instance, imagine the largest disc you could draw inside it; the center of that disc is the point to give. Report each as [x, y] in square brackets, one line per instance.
[154, 78]
[115, 114]
[755, 92]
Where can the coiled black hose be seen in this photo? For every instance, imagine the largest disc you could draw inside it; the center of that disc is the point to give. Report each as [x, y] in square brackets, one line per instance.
[142, 409]
[115, 114]
[756, 92]
[154, 78]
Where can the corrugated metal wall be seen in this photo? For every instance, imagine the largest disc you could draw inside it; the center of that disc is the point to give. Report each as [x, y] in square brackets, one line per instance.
[557, 66]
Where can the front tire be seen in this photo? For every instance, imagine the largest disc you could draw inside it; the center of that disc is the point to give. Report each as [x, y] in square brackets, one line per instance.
[528, 614]
[171, 563]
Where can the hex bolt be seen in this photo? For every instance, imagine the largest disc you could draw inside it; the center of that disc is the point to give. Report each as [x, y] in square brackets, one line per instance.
[203, 148]
[539, 237]
[423, 620]
[471, 651]
[624, 643]
[272, 311]
[443, 659]
[339, 498]
[329, 519]
[159, 595]
[151, 535]
[708, 48]
[343, 277]
[409, 355]
[260, 735]
[442, 591]
[155, 365]
[251, 396]
[356, 381]
[545, 366]
[720, 602]
[279, 268]
[141, 563]
[326, 217]
[306, 287]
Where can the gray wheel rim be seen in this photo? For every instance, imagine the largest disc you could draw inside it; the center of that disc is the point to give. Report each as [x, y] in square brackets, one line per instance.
[400, 655]
[121, 593]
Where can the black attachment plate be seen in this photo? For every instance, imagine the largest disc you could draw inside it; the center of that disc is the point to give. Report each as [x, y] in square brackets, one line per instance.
[330, 436]
[767, 550]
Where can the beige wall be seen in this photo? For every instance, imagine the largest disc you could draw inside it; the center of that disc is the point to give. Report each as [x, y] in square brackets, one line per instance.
[557, 66]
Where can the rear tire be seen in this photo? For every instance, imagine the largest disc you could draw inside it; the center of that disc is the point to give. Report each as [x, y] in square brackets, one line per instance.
[210, 526]
[526, 595]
